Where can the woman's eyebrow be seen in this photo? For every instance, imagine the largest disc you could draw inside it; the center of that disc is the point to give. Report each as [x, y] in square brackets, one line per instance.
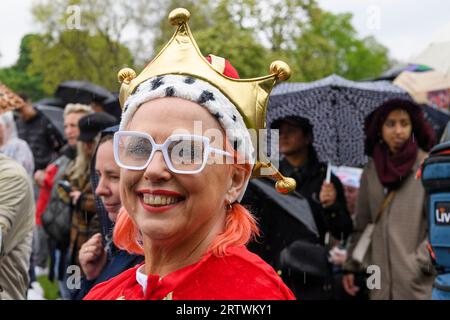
[111, 172]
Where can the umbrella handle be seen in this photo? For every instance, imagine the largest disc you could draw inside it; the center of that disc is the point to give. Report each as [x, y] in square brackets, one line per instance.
[328, 176]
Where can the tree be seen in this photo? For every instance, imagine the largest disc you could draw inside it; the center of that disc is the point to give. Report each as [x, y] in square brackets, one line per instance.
[329, 44]
[17, 78]
[85, 39]
[251, 34]
[217, 31]
[77, 55]
[91, 40]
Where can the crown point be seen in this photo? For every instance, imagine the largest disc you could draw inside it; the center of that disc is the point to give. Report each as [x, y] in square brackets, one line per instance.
[285, 185]
[179, 16]
[281, 70]
[126, 75]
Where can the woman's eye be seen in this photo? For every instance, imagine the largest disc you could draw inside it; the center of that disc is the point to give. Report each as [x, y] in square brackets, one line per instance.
[139, 148]
[185, 151]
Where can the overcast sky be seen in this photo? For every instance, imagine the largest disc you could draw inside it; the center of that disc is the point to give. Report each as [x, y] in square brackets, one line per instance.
[405, 27]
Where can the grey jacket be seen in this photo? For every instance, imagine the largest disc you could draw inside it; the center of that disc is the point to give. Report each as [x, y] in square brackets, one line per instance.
[17, 217]
[399, 240]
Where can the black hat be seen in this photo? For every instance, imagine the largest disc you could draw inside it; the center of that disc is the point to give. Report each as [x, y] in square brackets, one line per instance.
[90, 125]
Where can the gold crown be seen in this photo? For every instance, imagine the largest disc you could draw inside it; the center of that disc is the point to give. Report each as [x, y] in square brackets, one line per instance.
[182, 56]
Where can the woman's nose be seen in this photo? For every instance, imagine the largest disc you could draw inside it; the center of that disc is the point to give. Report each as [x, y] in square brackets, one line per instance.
[398, 129]
[157, 168]
[102, 189]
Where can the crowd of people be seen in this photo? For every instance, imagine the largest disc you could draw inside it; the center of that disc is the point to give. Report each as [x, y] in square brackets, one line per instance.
[183, 223]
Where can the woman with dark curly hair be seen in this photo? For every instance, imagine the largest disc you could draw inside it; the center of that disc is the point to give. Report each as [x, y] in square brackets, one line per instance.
[392, 200]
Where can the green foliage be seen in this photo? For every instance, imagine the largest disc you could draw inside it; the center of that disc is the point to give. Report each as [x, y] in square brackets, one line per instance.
[251, 34]
[51, 289]
[329, 44]
[17, 78]
[217, 31]
[78, 55]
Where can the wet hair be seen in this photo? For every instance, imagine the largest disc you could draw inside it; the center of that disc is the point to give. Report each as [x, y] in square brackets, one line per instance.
[240, 227]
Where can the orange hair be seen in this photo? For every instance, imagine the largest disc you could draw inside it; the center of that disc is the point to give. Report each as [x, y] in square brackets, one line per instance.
[125, 234]
[240, 226]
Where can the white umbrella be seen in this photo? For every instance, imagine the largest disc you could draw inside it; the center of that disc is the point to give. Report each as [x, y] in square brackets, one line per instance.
[421, 85]
[436, 54]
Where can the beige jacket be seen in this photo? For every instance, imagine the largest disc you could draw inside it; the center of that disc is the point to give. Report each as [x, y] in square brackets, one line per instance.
[399, 239]
[16, 221]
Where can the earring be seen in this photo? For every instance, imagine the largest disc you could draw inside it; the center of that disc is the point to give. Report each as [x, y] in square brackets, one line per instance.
[228, 206]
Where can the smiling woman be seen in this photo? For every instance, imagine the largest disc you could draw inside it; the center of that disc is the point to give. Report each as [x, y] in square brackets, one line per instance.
[180, 184]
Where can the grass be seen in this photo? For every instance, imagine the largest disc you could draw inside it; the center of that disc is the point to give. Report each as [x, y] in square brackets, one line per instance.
[50, 288]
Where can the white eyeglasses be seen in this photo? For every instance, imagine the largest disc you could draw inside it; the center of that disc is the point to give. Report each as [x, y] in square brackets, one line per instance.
[183, 153]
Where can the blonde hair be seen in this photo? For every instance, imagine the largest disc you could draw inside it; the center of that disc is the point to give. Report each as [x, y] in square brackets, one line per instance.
[77, 108]
[81, 168]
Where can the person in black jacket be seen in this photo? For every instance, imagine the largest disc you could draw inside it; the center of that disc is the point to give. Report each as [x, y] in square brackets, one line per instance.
[282, 235]
[99, 258]
[35, 128]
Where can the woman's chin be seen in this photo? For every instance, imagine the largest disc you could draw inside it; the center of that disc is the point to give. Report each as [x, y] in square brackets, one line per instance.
[157, 230]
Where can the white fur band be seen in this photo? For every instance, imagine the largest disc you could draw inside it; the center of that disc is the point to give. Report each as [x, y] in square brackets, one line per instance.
[202, 93]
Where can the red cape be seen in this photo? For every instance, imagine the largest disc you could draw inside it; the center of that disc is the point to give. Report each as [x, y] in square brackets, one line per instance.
[241, 275]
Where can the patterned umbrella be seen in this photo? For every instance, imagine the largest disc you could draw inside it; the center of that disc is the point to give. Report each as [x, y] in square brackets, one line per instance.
[8, 99]
[336, 108]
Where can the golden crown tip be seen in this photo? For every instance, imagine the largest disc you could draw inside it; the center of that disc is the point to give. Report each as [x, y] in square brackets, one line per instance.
[126, 75]
[179, 16]
[285, 185]
[281, 70]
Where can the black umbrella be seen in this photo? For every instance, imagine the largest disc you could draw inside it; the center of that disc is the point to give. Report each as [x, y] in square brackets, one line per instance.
[336, 108]
[54, 115]
[290, 239]
[74, 91]
[292, 203]
[112, 106]
[54, 102]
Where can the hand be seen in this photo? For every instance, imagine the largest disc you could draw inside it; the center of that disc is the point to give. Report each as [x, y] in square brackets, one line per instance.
[39, 177]
[327, 195]
[92, 257]
[338, 256]
[348, 282]
[75, 195]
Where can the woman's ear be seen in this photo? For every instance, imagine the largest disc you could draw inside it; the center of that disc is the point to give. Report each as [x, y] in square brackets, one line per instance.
[239, 175]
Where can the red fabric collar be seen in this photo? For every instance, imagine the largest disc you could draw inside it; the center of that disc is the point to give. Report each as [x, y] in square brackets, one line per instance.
[392, 169]
[241, 275]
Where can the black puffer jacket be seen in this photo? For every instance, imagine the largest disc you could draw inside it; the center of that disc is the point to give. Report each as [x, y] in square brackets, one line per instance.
[42, 137]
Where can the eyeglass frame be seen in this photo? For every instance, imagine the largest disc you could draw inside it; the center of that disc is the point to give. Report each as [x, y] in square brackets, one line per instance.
[163, 148]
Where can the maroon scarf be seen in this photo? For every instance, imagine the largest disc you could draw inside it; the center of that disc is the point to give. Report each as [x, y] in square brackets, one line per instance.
[392, 169]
